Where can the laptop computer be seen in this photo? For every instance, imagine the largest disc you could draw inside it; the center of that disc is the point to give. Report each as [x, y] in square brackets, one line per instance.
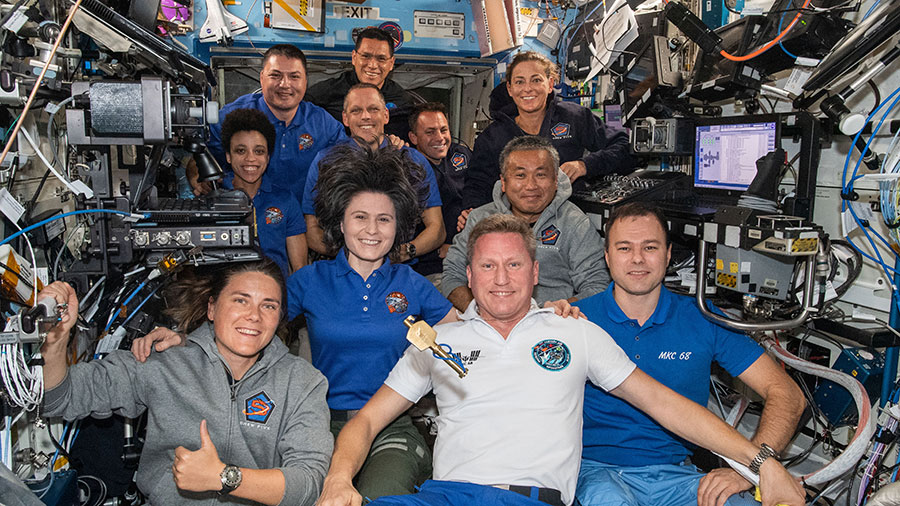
[725, 155]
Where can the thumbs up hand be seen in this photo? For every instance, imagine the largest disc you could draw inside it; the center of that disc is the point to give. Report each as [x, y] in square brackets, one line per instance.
[198, 471]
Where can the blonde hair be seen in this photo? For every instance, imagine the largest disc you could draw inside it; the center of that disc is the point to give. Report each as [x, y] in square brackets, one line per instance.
[502, 224]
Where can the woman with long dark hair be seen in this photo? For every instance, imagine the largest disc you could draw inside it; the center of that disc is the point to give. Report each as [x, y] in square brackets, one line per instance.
[230, 414]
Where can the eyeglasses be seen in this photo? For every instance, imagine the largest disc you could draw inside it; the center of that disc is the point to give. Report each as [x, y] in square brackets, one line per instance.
[379, 58]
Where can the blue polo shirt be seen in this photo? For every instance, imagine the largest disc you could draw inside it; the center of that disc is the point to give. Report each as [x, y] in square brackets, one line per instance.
[278, 217]
[676, 346]
[296, 143]
[309, 193]
[356, 329]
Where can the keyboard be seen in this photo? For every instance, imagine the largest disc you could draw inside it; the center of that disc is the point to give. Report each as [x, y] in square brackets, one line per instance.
[222, 206]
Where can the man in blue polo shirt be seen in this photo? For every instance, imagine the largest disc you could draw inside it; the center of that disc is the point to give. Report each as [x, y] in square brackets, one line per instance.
[248, 137]
[366, 114]
[629, 459]
[301, 128]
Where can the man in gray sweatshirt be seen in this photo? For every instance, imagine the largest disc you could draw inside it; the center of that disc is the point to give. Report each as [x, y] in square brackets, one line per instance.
[569, 249]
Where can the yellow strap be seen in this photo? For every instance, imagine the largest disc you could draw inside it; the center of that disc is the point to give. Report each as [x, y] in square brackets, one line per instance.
[758, 497]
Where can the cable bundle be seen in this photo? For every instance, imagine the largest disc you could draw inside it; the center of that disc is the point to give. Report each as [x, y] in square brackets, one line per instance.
[23, 384]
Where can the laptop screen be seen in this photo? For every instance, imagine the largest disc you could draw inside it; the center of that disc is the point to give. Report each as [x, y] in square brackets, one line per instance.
[725, 155]
[613, 116]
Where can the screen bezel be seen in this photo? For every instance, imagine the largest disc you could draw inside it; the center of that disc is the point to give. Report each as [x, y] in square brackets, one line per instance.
[730, 120]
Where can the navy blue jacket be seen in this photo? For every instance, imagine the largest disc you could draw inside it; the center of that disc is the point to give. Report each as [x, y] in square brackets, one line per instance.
[571, 128]
[451, 176]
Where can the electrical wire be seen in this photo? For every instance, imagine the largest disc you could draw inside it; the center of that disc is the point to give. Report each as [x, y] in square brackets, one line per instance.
[40, 78]
[123, 305]
[52, 139]
[871, 9]
[24, 385]
[769, 44]
[103, 491]
[847, 183]
[877, 93]
[70, 213]
[139, 306]
[40, 155]
[34, 282]
[781, 43]
[63, 249]
[15, 273]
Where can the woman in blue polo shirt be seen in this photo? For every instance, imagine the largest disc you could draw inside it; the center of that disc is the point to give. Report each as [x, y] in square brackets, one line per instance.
[367, 205]
[248, 137]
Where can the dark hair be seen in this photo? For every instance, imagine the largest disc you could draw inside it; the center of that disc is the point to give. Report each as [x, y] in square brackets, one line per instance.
[348, 170]
[550, 69]
[499, 224]
[528, 143]
[373, 32]
[425, 107]
[636, 210]
[286, 50]
[247, 120]
[187, 298]
[364, 86]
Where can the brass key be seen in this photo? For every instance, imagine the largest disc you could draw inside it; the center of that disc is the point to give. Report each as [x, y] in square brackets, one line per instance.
[422, 336]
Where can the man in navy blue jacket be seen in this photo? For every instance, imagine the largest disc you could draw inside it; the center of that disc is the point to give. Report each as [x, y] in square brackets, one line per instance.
[373, 61]
[429, 132]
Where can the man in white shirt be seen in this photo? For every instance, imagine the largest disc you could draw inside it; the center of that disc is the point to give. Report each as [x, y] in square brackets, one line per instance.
[510, 431]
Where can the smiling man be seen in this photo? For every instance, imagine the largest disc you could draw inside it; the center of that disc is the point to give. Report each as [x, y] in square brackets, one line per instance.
[373, 61]
[629, 459]
[429, 132]
[509, 433]
[533, 188]
[366, 114]
[301, 128]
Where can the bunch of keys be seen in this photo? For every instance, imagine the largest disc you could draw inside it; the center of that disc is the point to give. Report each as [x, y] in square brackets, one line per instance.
[422, 336]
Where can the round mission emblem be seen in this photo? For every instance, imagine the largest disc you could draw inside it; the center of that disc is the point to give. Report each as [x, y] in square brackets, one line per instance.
[551, 354]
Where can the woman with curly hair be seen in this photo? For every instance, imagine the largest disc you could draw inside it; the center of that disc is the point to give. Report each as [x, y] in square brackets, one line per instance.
[367, 204]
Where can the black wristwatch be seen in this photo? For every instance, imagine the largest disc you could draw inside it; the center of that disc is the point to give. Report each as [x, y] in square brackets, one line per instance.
[231, 479]
[765, 451]
[411, 250]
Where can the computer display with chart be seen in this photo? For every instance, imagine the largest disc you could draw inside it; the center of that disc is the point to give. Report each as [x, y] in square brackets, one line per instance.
[725, 152]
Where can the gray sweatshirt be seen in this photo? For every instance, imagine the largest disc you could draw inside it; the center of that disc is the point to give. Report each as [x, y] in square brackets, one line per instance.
[569, 248]
[274, 417]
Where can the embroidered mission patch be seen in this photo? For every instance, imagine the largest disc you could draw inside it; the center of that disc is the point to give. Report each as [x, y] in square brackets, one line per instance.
[551, 354]
[306, 141]
[396, 302]
[273, 216]
[259, 408]
[459, 161]
[560, 130]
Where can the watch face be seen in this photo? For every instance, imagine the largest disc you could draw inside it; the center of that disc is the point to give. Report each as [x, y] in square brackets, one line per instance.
[231, 477]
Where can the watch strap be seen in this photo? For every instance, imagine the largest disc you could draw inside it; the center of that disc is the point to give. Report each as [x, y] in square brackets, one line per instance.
[765, 451]
[231, 477]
